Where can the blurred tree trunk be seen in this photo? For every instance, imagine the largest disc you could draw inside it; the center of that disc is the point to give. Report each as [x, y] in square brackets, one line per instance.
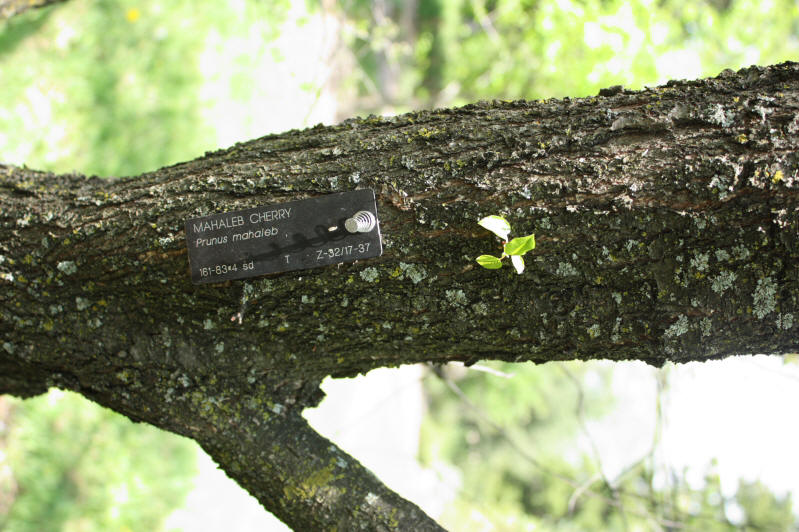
[666, 223]
[430, 23]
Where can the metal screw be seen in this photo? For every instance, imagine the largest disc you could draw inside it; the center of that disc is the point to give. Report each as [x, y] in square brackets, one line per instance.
[360, 222]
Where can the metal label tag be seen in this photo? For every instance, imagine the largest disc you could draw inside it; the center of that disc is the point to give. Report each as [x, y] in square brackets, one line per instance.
[289, 236]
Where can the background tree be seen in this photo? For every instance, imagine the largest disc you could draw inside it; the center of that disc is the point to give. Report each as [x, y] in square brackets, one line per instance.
[454, 292]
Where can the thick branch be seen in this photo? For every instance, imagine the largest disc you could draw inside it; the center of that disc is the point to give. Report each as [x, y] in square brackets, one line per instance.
[320, 487]
[666, 223]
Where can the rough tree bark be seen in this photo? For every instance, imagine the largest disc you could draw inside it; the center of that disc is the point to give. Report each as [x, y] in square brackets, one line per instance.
[666, 223]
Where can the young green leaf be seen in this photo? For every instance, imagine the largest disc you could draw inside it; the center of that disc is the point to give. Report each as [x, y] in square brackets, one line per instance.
[489, 261]
[497, 225]
[518, 263]
[520, 245]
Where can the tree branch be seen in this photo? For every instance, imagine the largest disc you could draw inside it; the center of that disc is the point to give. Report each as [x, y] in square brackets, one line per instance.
[11, 8]
[307, 481]
[666, 224]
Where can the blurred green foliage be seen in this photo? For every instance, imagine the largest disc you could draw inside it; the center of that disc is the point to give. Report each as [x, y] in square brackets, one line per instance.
[113, 87]
[69, 465]
[452, 52]
[509, 438]
[514, 441]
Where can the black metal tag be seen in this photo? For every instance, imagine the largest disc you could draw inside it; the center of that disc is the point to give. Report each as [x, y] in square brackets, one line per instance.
[296, 235]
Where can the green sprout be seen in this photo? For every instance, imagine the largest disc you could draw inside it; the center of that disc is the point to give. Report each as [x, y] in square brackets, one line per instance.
[513, 249]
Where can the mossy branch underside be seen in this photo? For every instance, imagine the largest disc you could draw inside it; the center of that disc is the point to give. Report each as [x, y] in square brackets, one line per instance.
[666, 225]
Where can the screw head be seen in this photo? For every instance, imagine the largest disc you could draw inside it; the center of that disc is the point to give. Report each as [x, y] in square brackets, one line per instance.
[360, 222]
